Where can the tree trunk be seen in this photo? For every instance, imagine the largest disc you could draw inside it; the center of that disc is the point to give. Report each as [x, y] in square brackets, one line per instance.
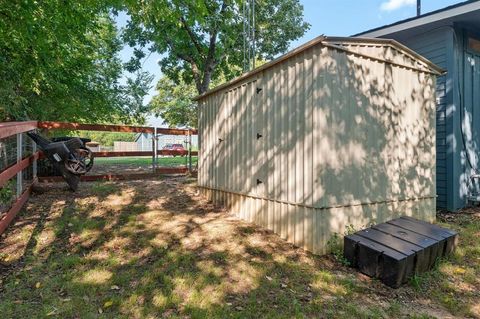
[207, 76]
[203, 84]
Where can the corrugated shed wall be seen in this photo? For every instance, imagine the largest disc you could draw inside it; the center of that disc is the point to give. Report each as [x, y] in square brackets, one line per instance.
[320, 141]
[433, 47]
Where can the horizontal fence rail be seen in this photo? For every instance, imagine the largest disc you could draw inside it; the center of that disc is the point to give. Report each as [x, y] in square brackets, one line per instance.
[13, 128]
[11, 171]
[15, 208]
[144, 153]
[114, 128]
[8, 129]
[135, 153]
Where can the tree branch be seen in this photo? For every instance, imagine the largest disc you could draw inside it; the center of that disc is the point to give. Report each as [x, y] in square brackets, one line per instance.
[192, 37]
[179, 55]
[188, 59]
[211, 62]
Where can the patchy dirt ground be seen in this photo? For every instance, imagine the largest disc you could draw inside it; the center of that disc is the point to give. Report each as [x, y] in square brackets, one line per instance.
[156, 249]
[100, 169]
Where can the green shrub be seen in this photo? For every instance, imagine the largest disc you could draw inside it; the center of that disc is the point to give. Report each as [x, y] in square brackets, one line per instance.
[335, 244]
[6, 194]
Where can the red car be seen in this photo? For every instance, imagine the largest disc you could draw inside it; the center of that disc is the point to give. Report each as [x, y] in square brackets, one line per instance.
[174, 147]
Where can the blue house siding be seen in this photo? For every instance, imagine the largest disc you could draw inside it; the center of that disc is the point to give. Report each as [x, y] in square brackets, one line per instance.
[467, 84]
[433, 47]
[456, 198]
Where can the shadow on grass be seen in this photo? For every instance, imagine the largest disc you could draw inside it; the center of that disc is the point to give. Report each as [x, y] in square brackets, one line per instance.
[154, 248]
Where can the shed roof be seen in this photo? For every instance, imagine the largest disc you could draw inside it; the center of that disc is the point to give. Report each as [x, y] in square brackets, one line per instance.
[347, 44]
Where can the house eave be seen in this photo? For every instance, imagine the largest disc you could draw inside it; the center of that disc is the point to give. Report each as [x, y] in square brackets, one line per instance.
[445, 15]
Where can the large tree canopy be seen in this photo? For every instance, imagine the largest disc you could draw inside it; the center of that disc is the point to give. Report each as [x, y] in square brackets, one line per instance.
[59, 61]
[202, 40]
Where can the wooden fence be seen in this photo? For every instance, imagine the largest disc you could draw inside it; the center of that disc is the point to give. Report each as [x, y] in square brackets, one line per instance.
[9, 129]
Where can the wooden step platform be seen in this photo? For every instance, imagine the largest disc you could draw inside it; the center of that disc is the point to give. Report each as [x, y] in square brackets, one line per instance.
[396, 250]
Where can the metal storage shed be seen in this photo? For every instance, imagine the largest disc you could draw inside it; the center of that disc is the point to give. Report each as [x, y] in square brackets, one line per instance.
[340, 131]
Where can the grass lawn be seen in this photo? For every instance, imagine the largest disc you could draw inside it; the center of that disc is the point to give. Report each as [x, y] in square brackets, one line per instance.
[143, 161]
[155, 249]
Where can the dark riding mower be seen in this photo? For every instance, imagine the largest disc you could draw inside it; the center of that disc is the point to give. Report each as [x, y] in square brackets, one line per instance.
[69, 156]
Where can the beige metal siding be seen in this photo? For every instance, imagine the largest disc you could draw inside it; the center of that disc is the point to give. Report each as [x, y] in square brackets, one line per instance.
[344, 140]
